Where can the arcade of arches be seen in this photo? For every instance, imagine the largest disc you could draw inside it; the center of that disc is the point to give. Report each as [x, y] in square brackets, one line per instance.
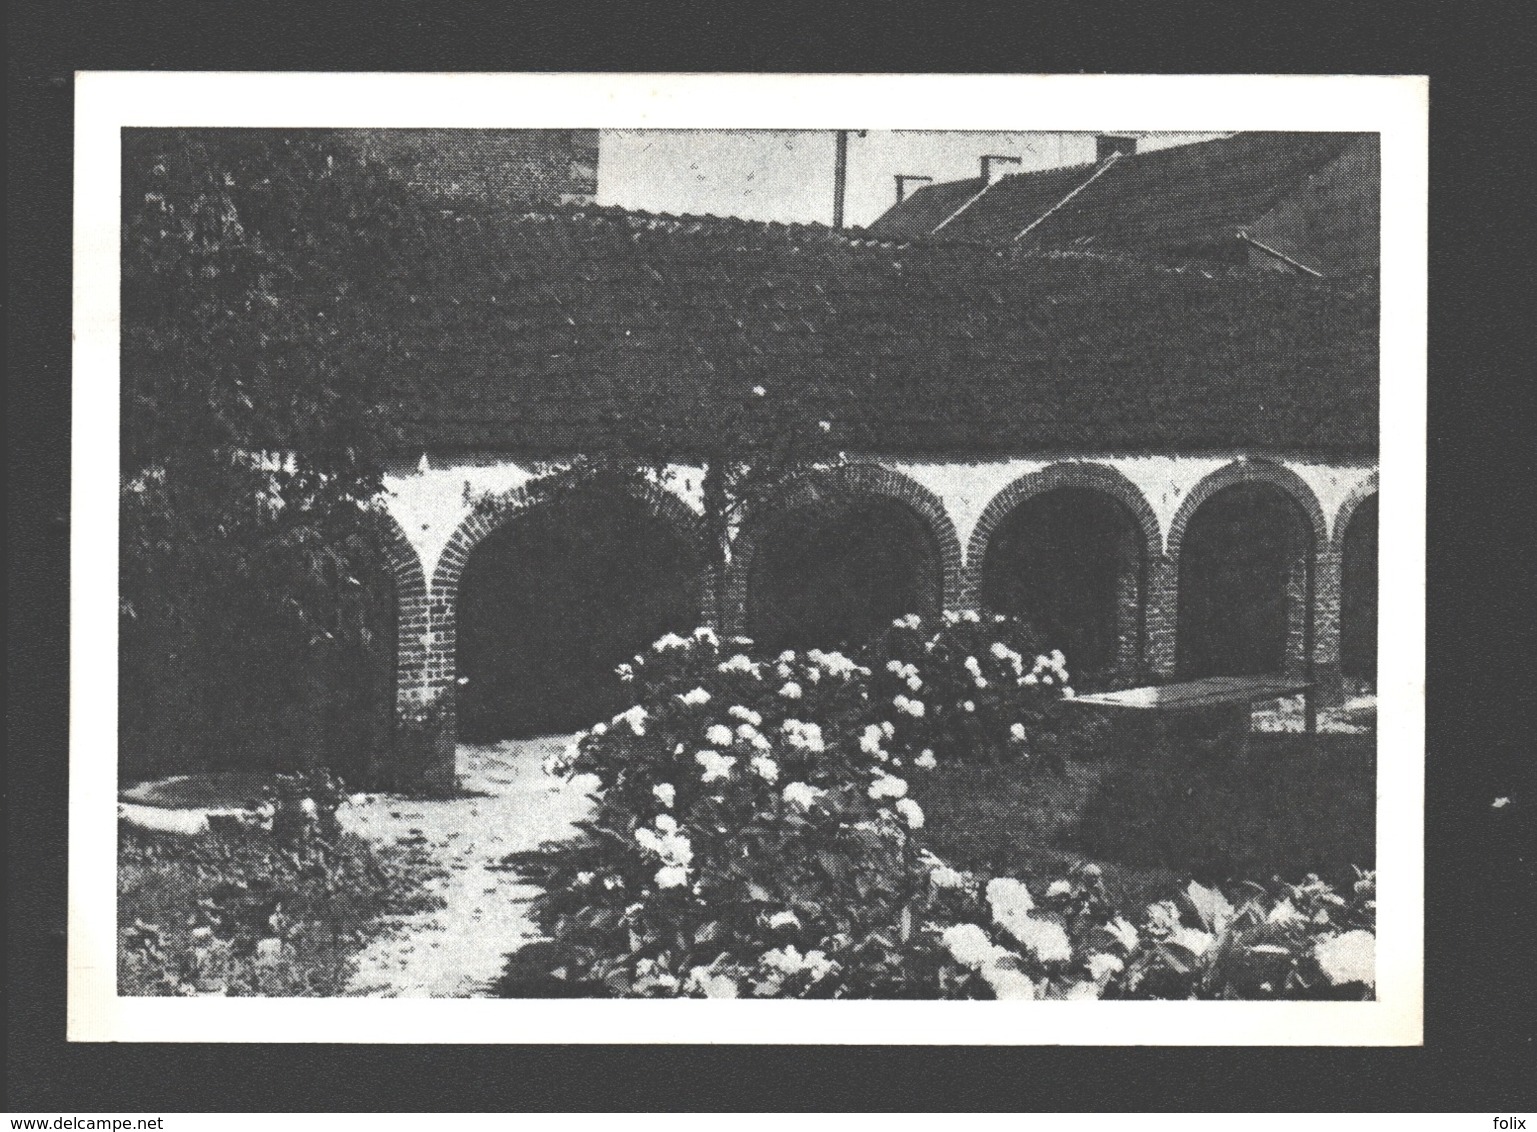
[526, 616]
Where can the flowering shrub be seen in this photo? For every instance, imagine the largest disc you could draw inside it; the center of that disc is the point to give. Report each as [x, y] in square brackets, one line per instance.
[752, 833]
[1286, 941]
[968, 685]
[753, 836]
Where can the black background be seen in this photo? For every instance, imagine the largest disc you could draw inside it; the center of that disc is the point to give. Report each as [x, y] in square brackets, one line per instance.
[1479, 1052]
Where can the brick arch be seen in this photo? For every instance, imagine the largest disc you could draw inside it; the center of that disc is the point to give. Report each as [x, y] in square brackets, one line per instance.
[480, 522]
[1135, 575]
[1249, 471]
[440, 635]
[1358, 495]
[866, 479]
[1312, 632]
[1095, 477]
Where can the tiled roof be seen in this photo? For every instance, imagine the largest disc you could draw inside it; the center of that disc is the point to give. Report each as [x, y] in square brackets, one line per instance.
[570, 328]
[1184, 201]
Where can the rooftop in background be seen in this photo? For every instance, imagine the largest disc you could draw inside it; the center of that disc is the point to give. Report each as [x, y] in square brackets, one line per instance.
[549, 329]
[1312, 197]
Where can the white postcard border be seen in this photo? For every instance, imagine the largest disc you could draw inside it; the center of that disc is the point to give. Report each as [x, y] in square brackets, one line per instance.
[108, 101]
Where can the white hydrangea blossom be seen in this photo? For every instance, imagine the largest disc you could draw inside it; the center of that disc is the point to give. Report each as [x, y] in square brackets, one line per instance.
[970, 946]
[741, 662]
[665, 793]
[803, 795]
[707, 634]
[1059, 888]
[1044, 937]
[870, 739]
[1008, 983]
[712, 983]
[835, 663]
[791, 690]
[719, 735]
[782, 920]
[670, 641]
[1102, 966]
[1006, 892]
[671, 846]
[910, 812]
[804, 736]
[788, 960]
[746, 715]
[887, 786]
[695, 698]
[635, 717]
[926, 760]
[1017, 732]
[943, 876]
[715, 764]
[766, 768]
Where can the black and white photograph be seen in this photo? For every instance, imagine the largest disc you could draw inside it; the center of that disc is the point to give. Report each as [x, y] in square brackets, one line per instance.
[564, 567]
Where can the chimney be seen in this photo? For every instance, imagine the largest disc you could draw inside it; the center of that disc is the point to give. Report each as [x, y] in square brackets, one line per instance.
[989, 160]
[1107, 145]
[902, 179]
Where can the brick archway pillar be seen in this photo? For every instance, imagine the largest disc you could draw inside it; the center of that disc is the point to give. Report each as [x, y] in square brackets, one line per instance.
[1331, 581]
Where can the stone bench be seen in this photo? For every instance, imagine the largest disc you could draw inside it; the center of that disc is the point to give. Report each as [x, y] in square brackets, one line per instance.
[1210, 714]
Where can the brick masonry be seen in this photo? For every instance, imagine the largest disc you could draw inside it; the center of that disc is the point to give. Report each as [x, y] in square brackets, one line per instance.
[1148, 584]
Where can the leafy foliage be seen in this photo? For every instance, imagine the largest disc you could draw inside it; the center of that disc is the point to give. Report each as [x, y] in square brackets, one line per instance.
[273, 907]
[255, 273]
[753, 835]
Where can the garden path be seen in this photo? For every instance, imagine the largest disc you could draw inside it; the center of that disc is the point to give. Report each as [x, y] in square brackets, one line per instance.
[508, 804]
